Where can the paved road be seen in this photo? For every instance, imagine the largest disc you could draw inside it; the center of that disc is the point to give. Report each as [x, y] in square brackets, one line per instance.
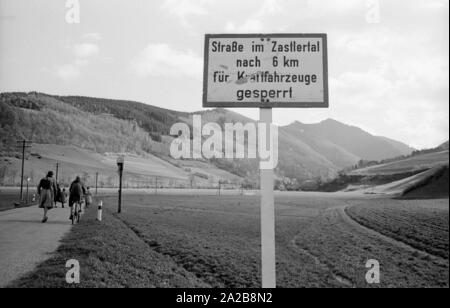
[25, 241]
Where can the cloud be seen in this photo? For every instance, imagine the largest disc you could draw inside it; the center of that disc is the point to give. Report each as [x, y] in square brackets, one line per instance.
[390, 78]
[250, 26]
[436, 4]
[163, 60]
[81, 62]
[270, 7]
[92, 36]
[68, 72]
[389, 101]
[257, 21]
[85, 50]
[183, 9]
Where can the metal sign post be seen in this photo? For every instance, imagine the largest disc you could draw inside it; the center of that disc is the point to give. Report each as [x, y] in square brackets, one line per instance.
[120, 163]
[267, 213]
[28, 184]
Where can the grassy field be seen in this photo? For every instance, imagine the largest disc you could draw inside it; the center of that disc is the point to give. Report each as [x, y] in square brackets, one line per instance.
[7, 201]
[110, 255]
[212, 241]
[140, 171]
[423, 225]
[9, 197]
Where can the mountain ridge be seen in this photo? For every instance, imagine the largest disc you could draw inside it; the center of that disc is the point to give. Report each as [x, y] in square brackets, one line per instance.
[353, 139]
[306, 151]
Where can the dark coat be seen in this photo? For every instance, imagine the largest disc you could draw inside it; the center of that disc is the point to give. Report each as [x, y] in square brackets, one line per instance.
[47, 196]
[76, 192]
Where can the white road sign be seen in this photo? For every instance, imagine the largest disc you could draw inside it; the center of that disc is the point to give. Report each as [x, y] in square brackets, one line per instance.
[266, 70]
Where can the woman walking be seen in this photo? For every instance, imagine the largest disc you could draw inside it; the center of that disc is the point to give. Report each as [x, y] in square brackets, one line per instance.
[47, 190]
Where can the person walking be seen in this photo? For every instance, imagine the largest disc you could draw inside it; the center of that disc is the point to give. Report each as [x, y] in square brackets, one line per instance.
[63, 197]
[46, 191]
[88, 197]
[58, 194]
[76, 193]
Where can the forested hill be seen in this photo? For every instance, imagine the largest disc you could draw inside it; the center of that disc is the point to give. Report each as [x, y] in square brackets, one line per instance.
[153, 119]
[97, 124]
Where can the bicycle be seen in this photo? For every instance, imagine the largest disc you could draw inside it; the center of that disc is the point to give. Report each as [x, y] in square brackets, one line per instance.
[76, 212]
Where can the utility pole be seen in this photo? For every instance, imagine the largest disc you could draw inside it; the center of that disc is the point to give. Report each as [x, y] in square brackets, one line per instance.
[57, 170]
[96, 181]
[156, 185]
[23, 144]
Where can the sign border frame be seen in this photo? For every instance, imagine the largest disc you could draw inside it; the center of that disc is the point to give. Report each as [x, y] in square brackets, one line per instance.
[274, 104]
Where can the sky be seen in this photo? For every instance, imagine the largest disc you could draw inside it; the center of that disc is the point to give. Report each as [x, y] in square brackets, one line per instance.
[388, 59]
